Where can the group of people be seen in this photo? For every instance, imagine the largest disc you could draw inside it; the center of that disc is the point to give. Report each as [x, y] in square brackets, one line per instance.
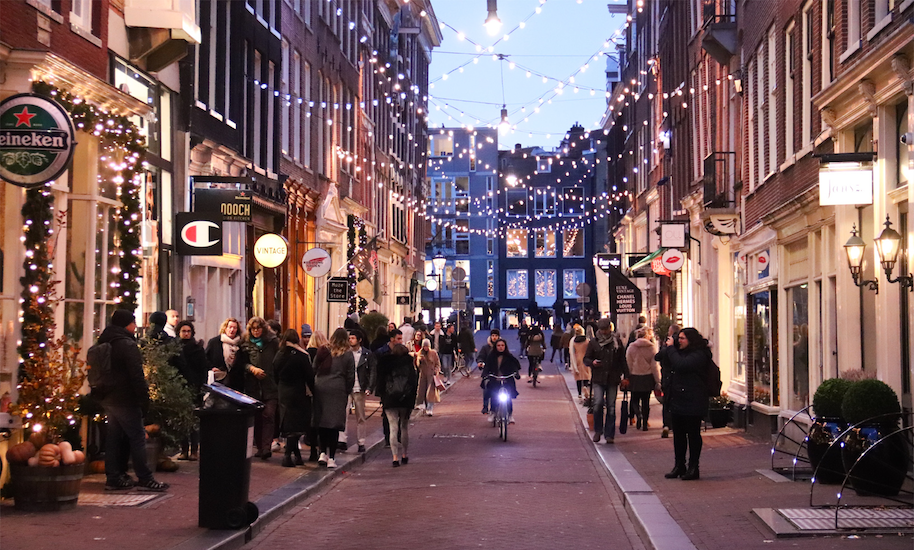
[676, 372]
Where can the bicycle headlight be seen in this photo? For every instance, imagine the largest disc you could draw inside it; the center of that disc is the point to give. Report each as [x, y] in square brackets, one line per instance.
[503, 396]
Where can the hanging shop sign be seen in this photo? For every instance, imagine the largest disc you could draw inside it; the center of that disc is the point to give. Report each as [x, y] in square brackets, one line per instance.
[604, 261]
[624, 295]
[658, 267]
[36, 140]
[846, 179]
[403, 300]
[673, 235]
[233, 203]
[316, 262]
[672, 260]
[338, 289]
[271, 250]
[199, 233]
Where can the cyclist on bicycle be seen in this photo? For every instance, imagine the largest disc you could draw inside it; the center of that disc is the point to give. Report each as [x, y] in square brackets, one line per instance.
[500, 362]
[535, 349]
[484, 352]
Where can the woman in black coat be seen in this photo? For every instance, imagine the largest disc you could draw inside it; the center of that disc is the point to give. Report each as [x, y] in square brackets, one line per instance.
[500, 362]
[293, 372]
[686, 394]
[221, 351]
[255, 360]
[396, 385]
[195, 365]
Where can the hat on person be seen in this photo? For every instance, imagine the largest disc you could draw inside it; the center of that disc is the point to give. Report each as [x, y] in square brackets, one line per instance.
[426, 342]
[122, 318]
[158, 318]
[579, 330]
[306, 330]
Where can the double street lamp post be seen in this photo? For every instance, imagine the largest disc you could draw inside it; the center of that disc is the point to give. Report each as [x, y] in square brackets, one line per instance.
[438, 262]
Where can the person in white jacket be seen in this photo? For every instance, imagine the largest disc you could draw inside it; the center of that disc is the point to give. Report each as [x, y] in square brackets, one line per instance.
[645, 374]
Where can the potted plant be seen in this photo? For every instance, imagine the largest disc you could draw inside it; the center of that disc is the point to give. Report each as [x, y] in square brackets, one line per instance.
[871, 407]
[827, 425]
[719, 410]
[171, 404]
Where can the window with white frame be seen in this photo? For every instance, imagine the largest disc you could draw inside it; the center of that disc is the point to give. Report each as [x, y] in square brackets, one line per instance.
[471, 150]
[544, 202]
[573, 201]
[806, 97]
[285, 126]
[753, 122]
[544, 243]
[305, 95]
[516, 243]
[789, 83]
[517, 284]
[829, 41]
[761, 104]
[903, 152]
[854, 18]
[461, 242]
[81, 14]
[516, 203]
[545, 283]
[544, 165]
[571, 278]
[257, 125]
[772, 101]
[490, 278]
[491, 225]
[572, 242]
[271, 112]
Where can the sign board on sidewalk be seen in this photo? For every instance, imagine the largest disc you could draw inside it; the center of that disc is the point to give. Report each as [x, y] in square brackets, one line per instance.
[338, 289]
[624, 295]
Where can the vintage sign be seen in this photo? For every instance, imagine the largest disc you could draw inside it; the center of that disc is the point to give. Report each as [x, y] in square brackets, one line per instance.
[316, 262]
[271, 250]
[338, 289]
[234, 204]
[624, 295]
[199, 233]
[36, 140]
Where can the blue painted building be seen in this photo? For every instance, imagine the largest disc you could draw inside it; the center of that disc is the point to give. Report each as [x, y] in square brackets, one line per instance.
[461, 207]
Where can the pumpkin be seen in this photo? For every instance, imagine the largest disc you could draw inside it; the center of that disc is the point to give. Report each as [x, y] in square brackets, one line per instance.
[20, 453]
[49, 455]
[37, 439]
[97, 466]
[79, 457]
[66, 453]
[33, 461]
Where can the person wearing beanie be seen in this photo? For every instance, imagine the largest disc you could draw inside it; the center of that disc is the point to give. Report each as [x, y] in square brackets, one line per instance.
[429, 365]
[125, 405]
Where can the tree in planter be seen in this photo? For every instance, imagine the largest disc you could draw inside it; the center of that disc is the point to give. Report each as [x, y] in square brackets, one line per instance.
[171, 401]
[370, 323]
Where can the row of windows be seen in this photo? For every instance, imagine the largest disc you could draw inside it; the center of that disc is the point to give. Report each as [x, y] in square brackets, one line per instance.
[544, 283]
[520, 203]
[544, 243]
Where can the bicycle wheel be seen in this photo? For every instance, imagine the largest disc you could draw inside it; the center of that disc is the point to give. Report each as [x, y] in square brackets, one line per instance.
[504, 426]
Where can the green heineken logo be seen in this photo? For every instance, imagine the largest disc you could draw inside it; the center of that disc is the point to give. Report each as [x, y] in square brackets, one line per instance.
[36, 140]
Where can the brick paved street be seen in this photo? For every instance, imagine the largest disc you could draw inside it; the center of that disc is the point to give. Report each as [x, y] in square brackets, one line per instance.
[464, 488]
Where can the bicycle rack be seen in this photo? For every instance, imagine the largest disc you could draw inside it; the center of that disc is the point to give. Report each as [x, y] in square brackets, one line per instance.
[798, 455]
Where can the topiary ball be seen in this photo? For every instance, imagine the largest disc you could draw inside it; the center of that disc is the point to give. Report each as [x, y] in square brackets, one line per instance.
[828, 397]
[868, 398]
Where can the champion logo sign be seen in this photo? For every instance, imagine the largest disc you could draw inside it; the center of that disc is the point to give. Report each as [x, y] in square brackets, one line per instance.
[199, 234]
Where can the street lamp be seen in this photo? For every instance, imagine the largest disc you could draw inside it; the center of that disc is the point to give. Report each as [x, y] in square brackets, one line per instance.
[855, 249]
[438, 262]
[887, 245]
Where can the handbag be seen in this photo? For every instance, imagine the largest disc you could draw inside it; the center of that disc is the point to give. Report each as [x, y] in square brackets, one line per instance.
[658, 394]
[623, 417]
[439, 383]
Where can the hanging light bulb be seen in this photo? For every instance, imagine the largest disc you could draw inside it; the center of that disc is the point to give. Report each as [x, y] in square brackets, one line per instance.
[504, 125]
[493, 23]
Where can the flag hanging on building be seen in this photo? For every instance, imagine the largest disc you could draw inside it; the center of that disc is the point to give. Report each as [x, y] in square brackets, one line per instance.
[363, 259]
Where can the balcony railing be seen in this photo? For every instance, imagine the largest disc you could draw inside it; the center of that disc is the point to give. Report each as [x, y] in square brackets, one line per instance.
[719, 180]
[719, 36]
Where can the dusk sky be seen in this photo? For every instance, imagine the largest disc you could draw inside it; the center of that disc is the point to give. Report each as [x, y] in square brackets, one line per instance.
[555, 43]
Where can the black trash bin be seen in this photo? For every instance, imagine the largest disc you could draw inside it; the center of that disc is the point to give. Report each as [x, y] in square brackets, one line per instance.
[226, 448]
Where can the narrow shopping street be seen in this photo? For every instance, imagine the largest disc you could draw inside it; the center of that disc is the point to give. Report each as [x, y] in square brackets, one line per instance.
[464, 487]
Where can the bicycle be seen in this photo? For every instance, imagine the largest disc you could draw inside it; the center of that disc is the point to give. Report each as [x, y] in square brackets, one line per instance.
[460, 365]
[502, 399]
[535, 362]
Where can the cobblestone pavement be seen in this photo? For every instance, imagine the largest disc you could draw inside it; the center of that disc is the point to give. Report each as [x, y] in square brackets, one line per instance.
[465, 488]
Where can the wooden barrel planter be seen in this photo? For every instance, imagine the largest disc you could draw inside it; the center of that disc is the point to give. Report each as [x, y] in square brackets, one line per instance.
[46, 489]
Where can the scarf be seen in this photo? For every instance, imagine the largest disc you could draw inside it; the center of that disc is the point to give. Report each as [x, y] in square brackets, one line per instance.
[257, 342]
[229, 347]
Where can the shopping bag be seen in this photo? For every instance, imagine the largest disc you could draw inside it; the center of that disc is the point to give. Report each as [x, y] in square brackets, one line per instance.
[439, 383]
[590, 418]
[623, 416]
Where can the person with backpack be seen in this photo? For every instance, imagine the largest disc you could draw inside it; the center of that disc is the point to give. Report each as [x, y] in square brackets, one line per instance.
[120, 386]
[691, 367]
[396, 385]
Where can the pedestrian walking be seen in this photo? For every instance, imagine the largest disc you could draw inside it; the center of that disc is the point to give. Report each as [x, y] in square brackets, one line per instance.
[605, 356]
[397, 383]
[381, 338]
[365, 363]
[535, 350]
[565, 344]
[333, 381]
[221, 351]
[408, 331]
[555, 342]
[429, 366]
[255, 359]
[581, 371]
[446, 351]
[466, 344]
[196, 365]
[295, 380]
[689, 362]
[645, 374]
[523, 332]
[125, 404]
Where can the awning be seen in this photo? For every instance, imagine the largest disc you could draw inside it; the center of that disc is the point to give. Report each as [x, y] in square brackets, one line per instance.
[645, 263]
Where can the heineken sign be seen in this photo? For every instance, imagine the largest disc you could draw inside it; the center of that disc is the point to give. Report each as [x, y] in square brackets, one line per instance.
[36, 140]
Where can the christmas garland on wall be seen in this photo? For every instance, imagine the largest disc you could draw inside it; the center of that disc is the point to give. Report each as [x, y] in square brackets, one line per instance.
[123, 150]
[357, 239]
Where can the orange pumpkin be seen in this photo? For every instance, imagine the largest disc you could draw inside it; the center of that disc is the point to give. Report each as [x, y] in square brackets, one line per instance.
[79, 457]
[37, 439]
[97, 467]
[49, 455]
[21, 453]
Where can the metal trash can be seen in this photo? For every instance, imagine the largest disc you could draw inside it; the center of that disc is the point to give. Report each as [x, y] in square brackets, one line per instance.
[226, 448]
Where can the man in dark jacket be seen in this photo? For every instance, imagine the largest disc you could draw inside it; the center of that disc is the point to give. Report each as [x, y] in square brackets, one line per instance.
[365, 364]
[125, 405]
[605, 356]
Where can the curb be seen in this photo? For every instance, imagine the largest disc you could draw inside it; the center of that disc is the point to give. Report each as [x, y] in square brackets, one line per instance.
[276, 503]
[655, 525]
